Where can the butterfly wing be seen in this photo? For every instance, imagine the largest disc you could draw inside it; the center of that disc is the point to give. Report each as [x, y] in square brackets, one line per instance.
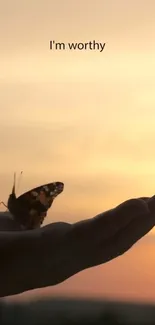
[37, 202]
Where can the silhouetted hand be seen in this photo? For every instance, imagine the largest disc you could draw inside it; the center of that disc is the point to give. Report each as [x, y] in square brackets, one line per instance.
[49, 255]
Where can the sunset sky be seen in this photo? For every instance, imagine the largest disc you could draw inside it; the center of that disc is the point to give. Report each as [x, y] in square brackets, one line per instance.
[82, 117]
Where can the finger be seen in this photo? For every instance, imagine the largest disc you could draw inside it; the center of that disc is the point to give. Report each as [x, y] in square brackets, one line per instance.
[108, 223]
[145, 198]
[121, 242]
[135, 230]
[128, 210]
[151, 204]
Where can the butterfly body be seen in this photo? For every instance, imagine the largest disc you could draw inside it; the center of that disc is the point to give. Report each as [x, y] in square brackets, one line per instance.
[30, 208]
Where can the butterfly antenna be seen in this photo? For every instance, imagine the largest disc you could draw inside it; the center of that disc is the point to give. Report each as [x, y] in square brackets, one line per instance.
[19, 181]
[14, 184]
[3, 204]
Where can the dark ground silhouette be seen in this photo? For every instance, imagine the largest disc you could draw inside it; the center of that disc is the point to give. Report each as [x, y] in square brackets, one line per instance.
[76, 312]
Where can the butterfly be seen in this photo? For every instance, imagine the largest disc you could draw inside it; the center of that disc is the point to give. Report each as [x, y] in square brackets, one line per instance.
[30, 208]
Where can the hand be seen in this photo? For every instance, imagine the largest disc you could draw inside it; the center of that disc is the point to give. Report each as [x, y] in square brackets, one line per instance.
[49, 255]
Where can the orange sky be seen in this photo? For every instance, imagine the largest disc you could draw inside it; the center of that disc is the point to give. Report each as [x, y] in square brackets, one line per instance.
[85, 118]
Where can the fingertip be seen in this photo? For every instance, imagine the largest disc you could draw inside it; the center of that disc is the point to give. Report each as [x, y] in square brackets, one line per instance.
[151, 204]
